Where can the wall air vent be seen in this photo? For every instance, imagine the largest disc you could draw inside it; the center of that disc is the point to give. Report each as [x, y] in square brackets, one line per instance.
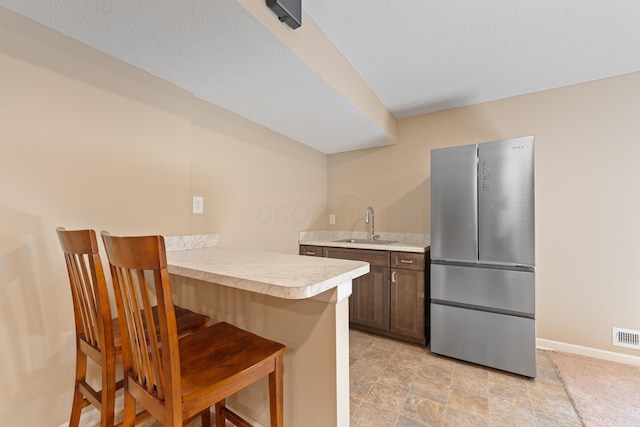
[626, 338]
[288, 11]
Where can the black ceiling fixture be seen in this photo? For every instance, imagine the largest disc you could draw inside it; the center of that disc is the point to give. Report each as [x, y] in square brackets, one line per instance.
[288, 11]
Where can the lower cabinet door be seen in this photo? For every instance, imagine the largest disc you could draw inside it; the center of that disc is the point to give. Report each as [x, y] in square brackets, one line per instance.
[407, 303]
[370, 299]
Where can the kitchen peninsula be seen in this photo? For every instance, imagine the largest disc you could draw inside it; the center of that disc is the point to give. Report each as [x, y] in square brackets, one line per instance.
[299, 301]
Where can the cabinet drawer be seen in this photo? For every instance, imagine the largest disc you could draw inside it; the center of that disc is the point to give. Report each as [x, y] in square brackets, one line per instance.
[310, 250]
[375, 258]
[407, 260]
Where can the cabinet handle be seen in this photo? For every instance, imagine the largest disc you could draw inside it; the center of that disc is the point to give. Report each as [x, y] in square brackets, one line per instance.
[310, 253]
[406, 261]
[393, 277]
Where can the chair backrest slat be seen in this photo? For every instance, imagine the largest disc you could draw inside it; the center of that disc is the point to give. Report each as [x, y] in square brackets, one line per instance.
[85, 296]
[152, 337]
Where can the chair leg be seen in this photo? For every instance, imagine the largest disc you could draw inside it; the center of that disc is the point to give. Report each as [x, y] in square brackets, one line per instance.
[276, 395]
[108, 394]
[206, 417]
[220, 422]
[129, 417]
[77, 404]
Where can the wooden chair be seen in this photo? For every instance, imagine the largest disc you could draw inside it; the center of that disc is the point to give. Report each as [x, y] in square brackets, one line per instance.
[97, 334]
[190, 374]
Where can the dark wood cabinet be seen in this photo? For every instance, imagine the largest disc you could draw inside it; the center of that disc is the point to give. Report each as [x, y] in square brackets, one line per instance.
[393, 298]
[369, 301]
[407, 303]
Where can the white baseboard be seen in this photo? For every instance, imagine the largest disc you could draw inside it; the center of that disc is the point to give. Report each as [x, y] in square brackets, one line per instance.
[587, 351]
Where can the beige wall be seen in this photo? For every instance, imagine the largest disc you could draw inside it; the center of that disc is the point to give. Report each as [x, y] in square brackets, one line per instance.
[260, 188]
[587, 142]
[87, 141]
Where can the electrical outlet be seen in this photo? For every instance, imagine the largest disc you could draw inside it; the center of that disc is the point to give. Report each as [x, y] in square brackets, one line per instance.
[332, 219]
[198, 204]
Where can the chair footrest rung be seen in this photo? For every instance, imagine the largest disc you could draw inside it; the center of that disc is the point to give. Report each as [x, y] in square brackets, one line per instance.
[140, 417]
[234, 418]
[90, 394]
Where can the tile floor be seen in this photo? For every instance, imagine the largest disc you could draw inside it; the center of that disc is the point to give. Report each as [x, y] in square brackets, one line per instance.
[396, 384]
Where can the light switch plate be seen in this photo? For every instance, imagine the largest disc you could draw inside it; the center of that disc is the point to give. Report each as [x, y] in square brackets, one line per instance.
[332, 219]
[198, 204]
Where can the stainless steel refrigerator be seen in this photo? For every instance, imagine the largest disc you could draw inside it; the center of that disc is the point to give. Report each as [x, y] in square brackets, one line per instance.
[483, 254]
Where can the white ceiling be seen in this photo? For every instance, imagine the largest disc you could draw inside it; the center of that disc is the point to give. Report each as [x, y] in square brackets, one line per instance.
[417, 56]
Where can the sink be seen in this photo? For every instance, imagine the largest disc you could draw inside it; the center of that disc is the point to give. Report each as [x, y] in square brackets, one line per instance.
[367, 241]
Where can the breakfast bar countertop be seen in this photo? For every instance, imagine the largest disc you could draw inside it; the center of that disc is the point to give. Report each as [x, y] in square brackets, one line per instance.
[275, 274]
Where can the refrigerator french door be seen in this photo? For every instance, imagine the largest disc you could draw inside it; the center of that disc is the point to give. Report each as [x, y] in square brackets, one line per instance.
[483, 254]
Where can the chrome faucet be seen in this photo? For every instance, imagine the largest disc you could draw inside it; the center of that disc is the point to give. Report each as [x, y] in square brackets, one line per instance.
[368, 218]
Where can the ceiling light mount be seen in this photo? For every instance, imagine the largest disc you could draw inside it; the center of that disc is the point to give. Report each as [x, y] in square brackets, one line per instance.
[288, 11]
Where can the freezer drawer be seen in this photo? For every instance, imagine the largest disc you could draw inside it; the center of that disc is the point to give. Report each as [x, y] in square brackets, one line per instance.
[504, 290]
[495, 340]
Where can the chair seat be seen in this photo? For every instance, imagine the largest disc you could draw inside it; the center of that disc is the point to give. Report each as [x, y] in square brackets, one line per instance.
[218, 353]
[187, 321]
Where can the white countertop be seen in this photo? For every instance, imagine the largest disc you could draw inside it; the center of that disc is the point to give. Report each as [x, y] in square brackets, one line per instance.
[275, 274]
[402, 242]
